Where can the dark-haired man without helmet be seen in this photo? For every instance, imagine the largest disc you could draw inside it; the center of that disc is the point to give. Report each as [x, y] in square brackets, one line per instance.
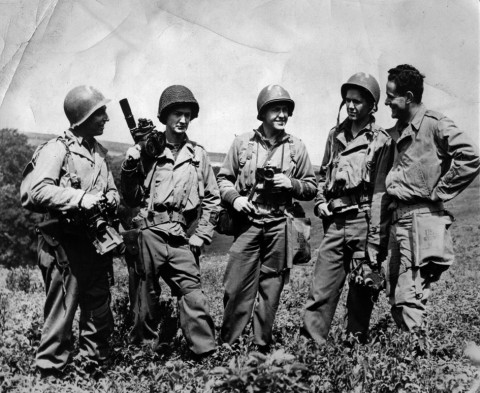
[74, 273]
[172, 189]
[257, 268]
[351, 180]
[434, 162]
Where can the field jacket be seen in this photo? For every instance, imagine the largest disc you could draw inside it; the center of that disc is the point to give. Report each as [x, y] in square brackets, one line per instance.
[434, 160]
[357, 169]
[51, 187]
[249, 152]
[185, 185]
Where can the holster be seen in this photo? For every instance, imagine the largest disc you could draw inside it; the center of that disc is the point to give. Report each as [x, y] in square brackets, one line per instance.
[51, 230]
[130, 239]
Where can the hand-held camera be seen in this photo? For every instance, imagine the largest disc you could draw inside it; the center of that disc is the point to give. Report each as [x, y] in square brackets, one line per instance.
[151, 141]
[100, 222]
[266, 173]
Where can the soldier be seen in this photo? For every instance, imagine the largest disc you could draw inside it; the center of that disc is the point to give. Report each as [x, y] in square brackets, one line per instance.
[174, 187]
[352, 177]
[70, 176]
[434, 162]
[257, 264]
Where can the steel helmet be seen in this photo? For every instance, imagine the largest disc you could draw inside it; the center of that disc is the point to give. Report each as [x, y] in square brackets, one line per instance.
[365, 81]
[81, 102]
[273, 93]
[176, 95]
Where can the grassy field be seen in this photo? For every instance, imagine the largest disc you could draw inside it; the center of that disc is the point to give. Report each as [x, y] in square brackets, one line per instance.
[430, 360]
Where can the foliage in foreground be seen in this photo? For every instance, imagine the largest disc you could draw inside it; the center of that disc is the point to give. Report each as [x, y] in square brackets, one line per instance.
[427, 361]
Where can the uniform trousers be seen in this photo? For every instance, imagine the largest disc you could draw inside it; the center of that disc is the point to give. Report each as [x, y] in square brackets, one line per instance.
[408, 285]
[171, 259]
[343, 246]
[255, 272]
[85, 283]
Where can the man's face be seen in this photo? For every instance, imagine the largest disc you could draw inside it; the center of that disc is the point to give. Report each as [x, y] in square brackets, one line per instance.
[397, 103]
[95, 123]
[358, 107]
[275, 116]
[178, 119]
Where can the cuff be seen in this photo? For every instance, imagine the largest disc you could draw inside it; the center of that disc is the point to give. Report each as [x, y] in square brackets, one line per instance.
[230, 196]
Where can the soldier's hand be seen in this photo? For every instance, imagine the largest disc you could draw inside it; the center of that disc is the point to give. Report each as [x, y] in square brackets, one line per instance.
[323, 210]
[196, 244]
[280, 180]
[89, 201]
[111, 201]
[242, 204]
[372, 253]
[133, 153]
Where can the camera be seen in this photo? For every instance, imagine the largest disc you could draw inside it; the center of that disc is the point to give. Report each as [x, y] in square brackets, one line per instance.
[151, 141]
[266, 173]
[100, 226]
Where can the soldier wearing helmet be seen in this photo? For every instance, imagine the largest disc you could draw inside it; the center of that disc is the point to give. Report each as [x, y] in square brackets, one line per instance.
[178, 198]
[351, 182]
[71, 176]
[257, 266]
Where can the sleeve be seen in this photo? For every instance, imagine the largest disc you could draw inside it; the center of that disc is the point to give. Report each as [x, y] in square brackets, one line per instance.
[322, 176]
[464, 160]
[227, 176]
[111, 192]
[380, 215]
[131, 181]
[210, 203]
[304, 183]
[46, 191]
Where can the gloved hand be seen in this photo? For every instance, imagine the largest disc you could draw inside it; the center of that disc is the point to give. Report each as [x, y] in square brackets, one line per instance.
[89, 201]
[196, 244]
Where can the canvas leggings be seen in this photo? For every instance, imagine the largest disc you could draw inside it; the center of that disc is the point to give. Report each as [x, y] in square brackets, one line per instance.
[172, 260]
[408, 285]
[255, 273]
[343, 244]
[84, 283]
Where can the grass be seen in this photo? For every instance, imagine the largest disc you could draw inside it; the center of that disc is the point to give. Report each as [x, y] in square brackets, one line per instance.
[429, 360]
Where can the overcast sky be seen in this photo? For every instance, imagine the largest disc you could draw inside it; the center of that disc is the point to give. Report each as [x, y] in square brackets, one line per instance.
[226, 52]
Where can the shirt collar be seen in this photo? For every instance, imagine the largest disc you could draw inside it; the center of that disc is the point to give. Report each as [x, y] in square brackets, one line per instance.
[417, 119]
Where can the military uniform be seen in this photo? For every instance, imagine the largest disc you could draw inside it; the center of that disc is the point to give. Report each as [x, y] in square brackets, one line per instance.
[351, 177]
[83, 279]
[257, 262]
[177, 189]
[434, 161]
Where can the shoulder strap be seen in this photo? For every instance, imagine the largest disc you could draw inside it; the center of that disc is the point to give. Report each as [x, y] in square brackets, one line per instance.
[291, 145]
[248, 152]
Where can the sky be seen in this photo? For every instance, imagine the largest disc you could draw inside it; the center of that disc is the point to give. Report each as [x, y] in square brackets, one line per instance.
[226, 51]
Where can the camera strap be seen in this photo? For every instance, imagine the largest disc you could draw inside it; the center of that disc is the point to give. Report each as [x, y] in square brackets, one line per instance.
[269, 156]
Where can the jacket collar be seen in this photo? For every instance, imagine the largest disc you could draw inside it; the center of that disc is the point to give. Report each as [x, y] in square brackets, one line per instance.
[411, 127]
[345, 129]
[260, 136]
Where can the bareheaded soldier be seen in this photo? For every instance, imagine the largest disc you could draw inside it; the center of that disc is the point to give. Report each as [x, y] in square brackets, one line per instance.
[351, 182]
[433, 162]
[173, 183]
[71, 178]
[262, 172]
